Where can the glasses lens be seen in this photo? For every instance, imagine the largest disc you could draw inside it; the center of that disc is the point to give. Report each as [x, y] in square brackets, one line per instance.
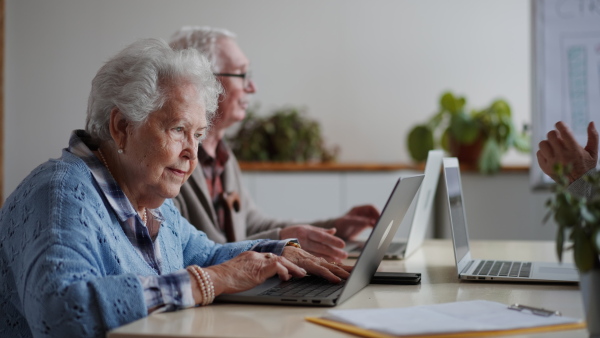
[247, 79]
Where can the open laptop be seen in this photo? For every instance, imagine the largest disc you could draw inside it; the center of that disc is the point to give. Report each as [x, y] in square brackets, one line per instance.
[492, 270]
[324, 293]
[412, 230]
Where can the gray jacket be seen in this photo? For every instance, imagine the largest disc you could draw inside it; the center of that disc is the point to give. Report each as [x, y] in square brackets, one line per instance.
[196, 206]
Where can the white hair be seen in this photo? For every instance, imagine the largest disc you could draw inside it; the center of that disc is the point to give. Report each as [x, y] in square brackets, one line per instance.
[139, 80]
[203, 39]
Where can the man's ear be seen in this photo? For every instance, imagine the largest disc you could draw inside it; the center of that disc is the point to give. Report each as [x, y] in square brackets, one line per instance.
[118, 128]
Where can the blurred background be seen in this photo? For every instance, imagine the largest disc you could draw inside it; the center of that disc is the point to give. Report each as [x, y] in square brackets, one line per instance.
[366, 71]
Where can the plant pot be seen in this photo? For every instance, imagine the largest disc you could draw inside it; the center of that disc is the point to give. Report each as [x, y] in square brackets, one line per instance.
[467, 153]
[589, 283]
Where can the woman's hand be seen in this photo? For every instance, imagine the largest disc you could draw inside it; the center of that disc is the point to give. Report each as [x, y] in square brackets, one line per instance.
[333, 272]
[318, 241]
[250, 269]
[329, 243]
[355, 221]
[562, 147]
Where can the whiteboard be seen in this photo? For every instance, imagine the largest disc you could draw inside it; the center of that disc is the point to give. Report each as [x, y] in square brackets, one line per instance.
[566, 65]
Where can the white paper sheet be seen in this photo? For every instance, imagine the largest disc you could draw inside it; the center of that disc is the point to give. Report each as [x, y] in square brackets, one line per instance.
[476, 315]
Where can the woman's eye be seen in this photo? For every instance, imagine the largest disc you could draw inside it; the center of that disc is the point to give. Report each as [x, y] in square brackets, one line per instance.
[198, 136]
[178, 129]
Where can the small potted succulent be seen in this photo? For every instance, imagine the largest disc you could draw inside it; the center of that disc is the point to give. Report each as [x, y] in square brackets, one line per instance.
[578, 220]
[476, 137]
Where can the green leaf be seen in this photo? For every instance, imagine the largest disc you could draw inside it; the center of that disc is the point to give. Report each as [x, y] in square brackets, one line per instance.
[566, 210]
[504, 133]
[587, 215]
[501, 108]
[489, 160]
[583, 251]
[420, 142]
[547, 216]
[448, 102]
[464, 129]
[521, 142]
[560, 243]
[460, 103]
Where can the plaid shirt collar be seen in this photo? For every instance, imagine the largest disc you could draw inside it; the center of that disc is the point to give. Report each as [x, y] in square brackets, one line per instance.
[218, 162]
[81, 146]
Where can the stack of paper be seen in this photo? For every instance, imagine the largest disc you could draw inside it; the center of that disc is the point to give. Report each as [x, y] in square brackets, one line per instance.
[476, 316]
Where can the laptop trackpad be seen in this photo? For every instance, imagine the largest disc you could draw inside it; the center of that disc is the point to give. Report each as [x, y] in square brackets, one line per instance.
[557, 270]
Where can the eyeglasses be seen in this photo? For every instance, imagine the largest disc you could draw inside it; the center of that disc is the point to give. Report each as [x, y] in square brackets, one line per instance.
[246, 77]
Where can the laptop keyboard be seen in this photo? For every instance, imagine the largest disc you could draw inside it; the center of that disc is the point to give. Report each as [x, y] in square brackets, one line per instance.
[309, 286]
[503, 269]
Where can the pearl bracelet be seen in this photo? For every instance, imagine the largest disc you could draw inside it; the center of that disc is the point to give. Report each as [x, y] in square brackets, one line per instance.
[209, 286]
[204, 284]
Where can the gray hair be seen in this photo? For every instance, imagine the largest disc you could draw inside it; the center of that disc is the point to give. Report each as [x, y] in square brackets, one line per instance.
[203, 39]
[139, 79]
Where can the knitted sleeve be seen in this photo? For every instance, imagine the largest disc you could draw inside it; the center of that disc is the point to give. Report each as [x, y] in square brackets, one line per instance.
[582, 188]
[63, 274]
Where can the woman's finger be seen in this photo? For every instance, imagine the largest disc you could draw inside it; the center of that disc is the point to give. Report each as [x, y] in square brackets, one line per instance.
[328, 253]
[339, 266]
[291, 269]
[340, 270]
[322, 268]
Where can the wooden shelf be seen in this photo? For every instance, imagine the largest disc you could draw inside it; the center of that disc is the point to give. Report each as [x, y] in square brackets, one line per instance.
[341, 166]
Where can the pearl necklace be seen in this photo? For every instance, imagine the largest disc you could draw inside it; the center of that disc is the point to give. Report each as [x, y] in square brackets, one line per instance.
[104, 161]
[144, 215]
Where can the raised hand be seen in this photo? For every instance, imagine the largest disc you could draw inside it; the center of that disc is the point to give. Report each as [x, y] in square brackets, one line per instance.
[562, 147]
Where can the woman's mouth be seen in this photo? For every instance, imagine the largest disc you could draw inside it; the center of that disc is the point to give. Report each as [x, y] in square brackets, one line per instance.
[178, 172]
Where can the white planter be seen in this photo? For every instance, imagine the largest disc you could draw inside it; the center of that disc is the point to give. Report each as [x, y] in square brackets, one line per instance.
[589, 283]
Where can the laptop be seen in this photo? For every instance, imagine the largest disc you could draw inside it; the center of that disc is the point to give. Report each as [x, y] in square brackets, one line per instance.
[322, 293]
[412, 230]
[492, 270]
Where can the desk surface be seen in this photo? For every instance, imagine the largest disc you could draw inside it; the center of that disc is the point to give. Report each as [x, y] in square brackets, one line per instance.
[439, 284]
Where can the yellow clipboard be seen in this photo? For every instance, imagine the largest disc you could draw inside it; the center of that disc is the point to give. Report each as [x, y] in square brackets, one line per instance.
[374, 334]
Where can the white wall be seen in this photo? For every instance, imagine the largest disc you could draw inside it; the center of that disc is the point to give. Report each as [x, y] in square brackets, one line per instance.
[368, 70]
[500, 207]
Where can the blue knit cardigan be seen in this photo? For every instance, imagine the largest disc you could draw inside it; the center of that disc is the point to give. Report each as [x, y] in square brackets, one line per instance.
[66, 267]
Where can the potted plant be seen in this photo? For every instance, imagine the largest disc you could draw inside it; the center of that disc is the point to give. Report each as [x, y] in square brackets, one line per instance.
[476, 137]
[578, 220]
[286, 135]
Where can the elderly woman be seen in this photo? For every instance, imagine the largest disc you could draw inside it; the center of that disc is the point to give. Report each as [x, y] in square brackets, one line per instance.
[92, 241]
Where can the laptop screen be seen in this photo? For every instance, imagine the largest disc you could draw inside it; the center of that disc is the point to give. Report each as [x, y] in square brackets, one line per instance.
[457, 211]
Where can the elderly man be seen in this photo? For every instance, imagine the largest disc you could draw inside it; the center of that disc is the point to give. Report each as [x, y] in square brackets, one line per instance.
[213, 199]
[561, 147]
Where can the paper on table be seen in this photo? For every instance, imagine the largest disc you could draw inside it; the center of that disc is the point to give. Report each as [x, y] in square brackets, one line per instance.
[477, 315]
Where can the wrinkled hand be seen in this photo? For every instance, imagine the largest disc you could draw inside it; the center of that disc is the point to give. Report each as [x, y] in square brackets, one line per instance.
[561, 147]
[333, 272]
[355, 221]
[250, 269]
[317, 241]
